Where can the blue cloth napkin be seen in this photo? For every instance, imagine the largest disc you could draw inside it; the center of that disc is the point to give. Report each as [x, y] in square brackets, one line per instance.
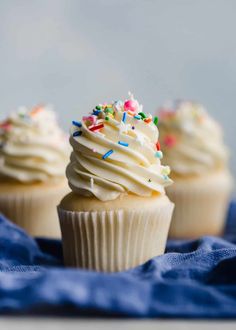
[194, 279]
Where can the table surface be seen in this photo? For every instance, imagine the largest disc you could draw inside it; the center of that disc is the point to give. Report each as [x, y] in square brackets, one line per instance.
[19, 323]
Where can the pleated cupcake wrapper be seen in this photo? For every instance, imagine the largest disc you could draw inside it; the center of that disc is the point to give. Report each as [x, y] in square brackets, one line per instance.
[34, 211]
[113, 240]
[199, 209]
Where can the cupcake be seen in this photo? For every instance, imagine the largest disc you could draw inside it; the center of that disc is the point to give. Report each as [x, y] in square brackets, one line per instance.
[117, 215]
[193, 146]
[34, 152]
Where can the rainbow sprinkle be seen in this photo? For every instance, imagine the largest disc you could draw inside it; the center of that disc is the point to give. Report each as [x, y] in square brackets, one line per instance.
[77, 123]
[96, 112]
[77, 133]
[165, 170]
[158, 146]
[96, 127]
[125, 144]
[170, 141]
[124, 117]
[108, 110]
[6, 126]
[142, 114]
[107, 154]
[95, 122]
[130, 113]
[159, 154]
[36, 110]
[155, 120]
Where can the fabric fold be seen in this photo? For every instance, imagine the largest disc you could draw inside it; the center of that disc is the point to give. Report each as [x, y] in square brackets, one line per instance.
[195, 279]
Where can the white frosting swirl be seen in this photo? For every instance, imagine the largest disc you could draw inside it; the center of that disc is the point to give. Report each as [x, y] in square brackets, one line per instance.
[132, 164]
[192, 142]
[32, 146]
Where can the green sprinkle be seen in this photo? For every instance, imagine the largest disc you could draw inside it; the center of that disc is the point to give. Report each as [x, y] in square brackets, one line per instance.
[142, 114]
[155, 120]
[109, 110]
[106, 118]
[98, 107]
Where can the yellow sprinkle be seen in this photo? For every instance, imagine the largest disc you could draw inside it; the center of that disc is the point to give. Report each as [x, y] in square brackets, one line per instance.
[165, 170]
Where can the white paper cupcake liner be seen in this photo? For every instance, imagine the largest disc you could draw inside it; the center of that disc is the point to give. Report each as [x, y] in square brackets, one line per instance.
[200, 206]
[34, 210]
[113, 240]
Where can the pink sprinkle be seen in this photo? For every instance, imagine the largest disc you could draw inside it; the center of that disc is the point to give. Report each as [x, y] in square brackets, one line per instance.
[131, 105]
[170, 141]
[5, 126]
[92, 119]
[94, 150]
[166, 113]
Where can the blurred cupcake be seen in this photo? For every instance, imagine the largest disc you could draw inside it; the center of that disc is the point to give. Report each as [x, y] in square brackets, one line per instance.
[193, 146]
[33, 156]
[117, 215]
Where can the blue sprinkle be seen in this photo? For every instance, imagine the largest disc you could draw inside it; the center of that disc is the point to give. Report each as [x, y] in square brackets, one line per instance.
[165, 177]
[159, 154]
[96, 112]
[125, 144]
[76, 123]
[77, 133]
[124, 117]
[137, 117]
[107, 154]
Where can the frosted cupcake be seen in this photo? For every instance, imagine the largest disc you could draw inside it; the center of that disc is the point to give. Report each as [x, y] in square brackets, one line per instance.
[193, 146]
[33, 155]
[117, 215]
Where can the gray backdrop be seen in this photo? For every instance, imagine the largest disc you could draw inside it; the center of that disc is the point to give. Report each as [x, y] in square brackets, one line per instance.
[75, 54]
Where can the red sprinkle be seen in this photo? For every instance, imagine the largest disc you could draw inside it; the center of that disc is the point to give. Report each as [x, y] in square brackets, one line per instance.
[96, 127]
[170, 140]
[158, 146]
